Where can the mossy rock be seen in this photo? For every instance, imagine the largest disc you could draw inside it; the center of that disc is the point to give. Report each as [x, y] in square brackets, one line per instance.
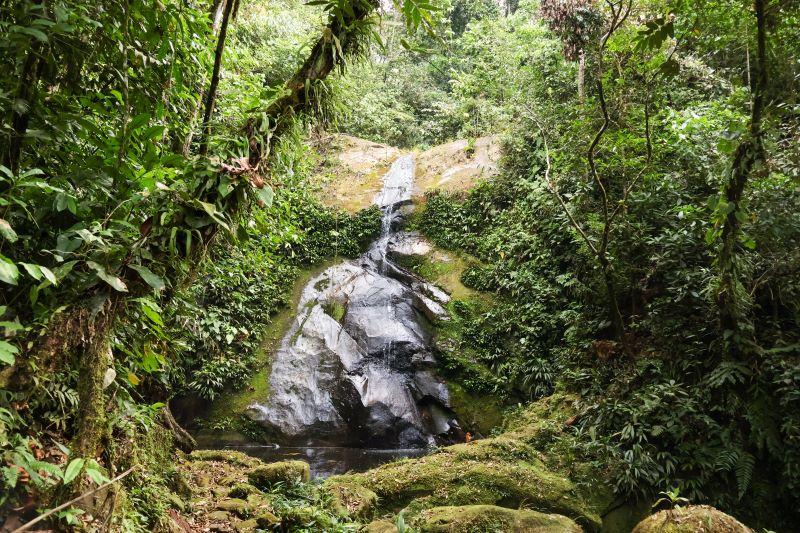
[507, 471]
[482, 518]
[286, 472]
[267, 520]
[492, 472]
[235, 506]
[692, 519]
[225, 456]
[379, 526]
[242, 490]
[352, 500]
[247, 526]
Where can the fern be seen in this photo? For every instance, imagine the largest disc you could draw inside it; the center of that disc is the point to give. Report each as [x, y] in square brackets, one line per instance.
[744, 472]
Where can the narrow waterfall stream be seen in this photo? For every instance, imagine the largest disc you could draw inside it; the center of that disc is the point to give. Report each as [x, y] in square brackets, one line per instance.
[355, 370]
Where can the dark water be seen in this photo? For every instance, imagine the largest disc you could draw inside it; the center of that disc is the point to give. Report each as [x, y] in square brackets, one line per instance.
[331, 460]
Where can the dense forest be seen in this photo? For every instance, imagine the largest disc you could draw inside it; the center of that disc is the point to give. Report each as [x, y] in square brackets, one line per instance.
[620, 333]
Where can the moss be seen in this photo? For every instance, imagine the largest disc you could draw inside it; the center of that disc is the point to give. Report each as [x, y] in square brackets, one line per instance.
[227, 456]
[286, 472]
[335, 310]
[235, 506]
[379, 526]
[502, 472]
[481, 518]
[508, 471]
[242, 490]
[692, 519]
[477, 413]
[352, 500]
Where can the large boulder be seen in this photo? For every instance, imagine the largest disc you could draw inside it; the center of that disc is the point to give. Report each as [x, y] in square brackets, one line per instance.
[691, 519]
[497, 471]
[286, 472]
[481, 518]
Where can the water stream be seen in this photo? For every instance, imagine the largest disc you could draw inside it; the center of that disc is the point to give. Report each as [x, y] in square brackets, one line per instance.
[355, 371]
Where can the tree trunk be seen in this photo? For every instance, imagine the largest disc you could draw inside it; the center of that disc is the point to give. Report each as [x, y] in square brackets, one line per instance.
[91, 423]
[21, 119]
[614, 314]
[581, 75]
[212, 89]
[216, 20]
[732, 308]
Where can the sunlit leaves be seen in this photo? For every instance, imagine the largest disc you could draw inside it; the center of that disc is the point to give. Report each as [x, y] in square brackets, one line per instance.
[9, 273]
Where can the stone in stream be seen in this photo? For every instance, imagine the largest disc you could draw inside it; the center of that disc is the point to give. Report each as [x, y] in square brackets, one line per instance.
[355, 367]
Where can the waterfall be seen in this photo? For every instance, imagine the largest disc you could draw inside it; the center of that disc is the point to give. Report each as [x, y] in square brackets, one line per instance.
[364, 375]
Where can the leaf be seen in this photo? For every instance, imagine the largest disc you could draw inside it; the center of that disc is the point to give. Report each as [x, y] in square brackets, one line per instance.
[9, 273]
[151, 313]
[149, 277]
[266, 194]
[7, 231]
[10, 476]
[109, 377]
[116, 283]
[133, 379]
[73, 469]
[33, 270]
[94, 472]
[7, 352]
[33, 32]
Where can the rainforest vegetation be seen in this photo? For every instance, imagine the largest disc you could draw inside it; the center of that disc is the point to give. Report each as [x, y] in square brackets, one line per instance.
[629, 312]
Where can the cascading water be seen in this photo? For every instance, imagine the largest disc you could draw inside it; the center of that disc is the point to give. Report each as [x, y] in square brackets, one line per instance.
[356, 368]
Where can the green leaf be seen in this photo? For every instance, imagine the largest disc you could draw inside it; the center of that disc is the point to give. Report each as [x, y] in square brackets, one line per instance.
[73, 469]
[149, 277]
[266, 194]
[115, 283]
[95, 473]
[7, 352]
[33, 271]
[152, 314]
[7, 231]
[9, 273]
[33, 32]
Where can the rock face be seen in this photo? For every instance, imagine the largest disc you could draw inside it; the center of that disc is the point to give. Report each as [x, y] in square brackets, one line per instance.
[691, 519]
[355, 368]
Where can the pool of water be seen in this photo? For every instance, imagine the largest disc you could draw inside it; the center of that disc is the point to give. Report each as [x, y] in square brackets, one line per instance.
[327, 461]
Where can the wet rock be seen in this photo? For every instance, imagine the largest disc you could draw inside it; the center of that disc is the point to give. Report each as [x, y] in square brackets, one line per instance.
[481, 518]
[287, 472]
[691, 519]
[354, 368]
